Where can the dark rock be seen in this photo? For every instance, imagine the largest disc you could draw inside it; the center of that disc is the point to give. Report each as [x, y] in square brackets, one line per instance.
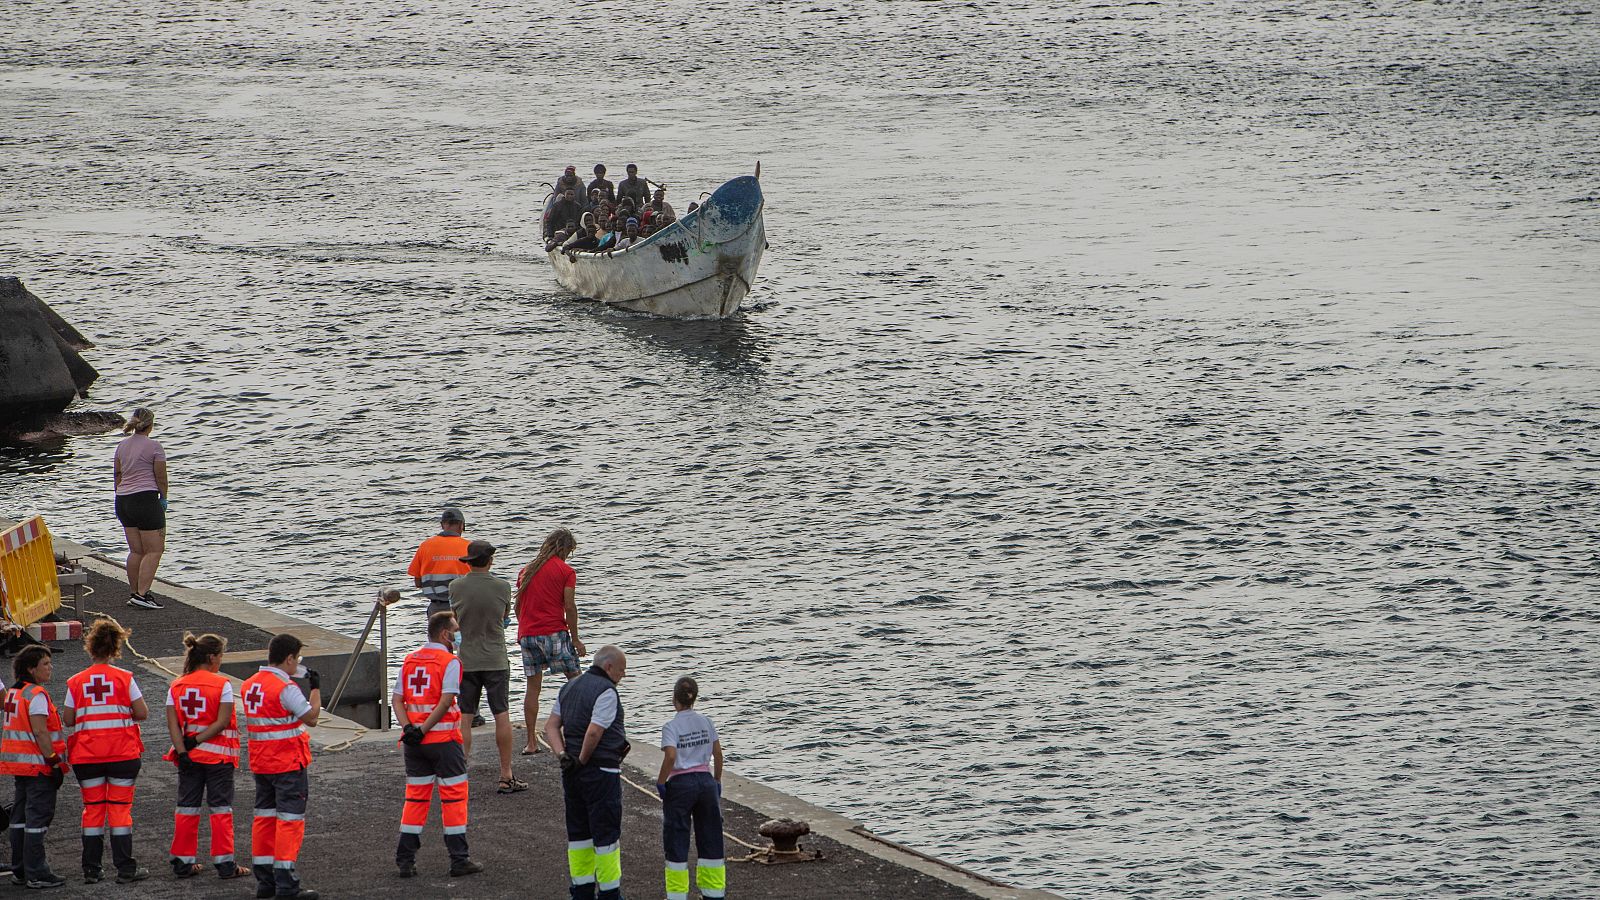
[70, 335]
[34, 376]
[44, 429]
[83, 374]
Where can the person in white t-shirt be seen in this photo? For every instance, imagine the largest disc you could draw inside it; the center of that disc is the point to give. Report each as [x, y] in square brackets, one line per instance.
[690, 785]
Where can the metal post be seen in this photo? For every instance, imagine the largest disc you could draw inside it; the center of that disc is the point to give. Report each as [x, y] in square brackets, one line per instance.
[385, 714]
[350, 665]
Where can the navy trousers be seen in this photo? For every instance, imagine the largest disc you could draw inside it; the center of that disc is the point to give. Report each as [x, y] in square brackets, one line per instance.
[594, 831]
[32, 810]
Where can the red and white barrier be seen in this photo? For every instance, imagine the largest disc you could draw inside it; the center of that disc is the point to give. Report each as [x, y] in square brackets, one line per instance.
[56, 631]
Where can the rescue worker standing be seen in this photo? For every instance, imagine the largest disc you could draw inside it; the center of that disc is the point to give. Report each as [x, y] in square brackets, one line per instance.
[690, 785]
[586, 722]
[437, 561]
[104, 707]
[205, 747]
[425, 694]
[276, 714]
[34, 752]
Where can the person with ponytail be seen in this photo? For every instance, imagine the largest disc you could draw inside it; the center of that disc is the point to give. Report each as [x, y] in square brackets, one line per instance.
[104, 707]
[205, 748]
[547, 623]
[690, 785]
[34, 752]
[139, 471]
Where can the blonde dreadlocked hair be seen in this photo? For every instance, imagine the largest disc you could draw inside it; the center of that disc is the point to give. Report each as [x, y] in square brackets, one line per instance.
[558, 543]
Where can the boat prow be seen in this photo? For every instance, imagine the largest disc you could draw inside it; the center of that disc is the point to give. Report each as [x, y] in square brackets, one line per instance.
[699, 267]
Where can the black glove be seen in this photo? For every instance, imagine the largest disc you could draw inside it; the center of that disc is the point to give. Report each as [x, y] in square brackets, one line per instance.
[183, 761]
[190, 742]
[568, 762]
[58, 770]
[411, 734]
[313, 680]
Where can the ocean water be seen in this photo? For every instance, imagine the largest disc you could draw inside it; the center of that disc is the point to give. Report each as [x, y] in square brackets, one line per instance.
[1159, 457]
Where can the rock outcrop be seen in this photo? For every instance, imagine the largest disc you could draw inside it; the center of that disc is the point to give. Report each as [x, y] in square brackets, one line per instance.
[51, 429]
[41, 370]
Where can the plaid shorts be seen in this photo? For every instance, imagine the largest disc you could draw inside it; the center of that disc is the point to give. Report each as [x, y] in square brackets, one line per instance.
[552, 652]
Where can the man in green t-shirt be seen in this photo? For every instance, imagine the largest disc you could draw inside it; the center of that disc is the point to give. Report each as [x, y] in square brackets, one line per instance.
[482, 604]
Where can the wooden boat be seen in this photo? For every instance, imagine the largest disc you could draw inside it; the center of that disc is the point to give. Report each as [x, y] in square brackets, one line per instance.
[699, 267]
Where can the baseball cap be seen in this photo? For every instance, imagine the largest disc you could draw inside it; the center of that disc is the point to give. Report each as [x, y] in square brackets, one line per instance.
[451, 514]
[478, 553]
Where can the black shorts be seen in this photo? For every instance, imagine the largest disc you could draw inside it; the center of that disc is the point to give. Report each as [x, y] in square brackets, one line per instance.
[142, 511]
[495, 683]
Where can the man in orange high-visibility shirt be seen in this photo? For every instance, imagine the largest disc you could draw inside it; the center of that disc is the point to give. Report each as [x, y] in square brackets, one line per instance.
[425, 698]
[437, 561]
[276, 714]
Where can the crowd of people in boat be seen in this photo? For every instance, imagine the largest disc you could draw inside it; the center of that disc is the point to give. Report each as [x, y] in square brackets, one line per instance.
[603, 216]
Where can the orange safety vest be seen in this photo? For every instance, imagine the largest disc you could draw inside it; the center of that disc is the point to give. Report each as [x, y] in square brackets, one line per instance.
[198, 699]
[19, 752]
[421, 686]
[278, 740]
[104, 729]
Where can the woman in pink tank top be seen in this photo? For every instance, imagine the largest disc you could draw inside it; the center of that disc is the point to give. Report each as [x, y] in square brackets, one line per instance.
[140, 469]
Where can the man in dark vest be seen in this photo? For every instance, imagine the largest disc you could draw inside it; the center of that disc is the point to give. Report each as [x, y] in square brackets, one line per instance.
[585, 724]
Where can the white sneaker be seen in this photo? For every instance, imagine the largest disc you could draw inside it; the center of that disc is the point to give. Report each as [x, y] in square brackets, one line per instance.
[144, 601]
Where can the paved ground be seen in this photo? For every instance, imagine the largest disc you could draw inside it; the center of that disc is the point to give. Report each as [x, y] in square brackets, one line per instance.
[355, 812]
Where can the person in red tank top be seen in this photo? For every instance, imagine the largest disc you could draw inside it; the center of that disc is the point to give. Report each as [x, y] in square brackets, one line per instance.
[104, 707]
[205, 748]
[34, 752]
[547, 623]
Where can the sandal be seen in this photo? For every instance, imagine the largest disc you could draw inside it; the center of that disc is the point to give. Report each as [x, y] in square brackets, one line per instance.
[528, 752]
[511, 785]
[187, 870]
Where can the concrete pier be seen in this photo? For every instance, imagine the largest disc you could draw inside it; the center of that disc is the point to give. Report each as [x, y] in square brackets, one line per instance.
[357, 782]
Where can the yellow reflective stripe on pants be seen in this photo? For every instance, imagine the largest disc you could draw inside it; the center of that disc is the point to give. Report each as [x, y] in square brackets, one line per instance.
[711, 875]
[580, 861]
[608, 866]
[677, 881]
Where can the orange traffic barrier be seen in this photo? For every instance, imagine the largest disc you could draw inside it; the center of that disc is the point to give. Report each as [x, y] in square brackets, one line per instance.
[28, 572]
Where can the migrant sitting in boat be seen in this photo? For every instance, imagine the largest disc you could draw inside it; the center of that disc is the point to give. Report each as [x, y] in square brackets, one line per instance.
[612, 206]
[700, 266]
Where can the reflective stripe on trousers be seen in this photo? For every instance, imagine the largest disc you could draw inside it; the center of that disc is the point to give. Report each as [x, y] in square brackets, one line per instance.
[278, 830]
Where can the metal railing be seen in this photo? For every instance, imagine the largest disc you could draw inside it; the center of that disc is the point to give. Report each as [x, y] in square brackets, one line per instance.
[380, 618]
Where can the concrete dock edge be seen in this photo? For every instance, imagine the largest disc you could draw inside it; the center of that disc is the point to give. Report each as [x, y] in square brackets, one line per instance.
[644, 760]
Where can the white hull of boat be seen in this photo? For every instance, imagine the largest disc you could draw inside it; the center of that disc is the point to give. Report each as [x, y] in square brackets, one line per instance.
[700, 267]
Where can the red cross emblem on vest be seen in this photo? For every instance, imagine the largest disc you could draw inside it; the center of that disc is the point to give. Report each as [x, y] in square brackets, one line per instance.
[253, 698]
[97, 689]
[15, 703]
[193, 702]
[419, 682]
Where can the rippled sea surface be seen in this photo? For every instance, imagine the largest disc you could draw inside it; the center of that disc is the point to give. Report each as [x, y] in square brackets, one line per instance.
[1159, 457]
